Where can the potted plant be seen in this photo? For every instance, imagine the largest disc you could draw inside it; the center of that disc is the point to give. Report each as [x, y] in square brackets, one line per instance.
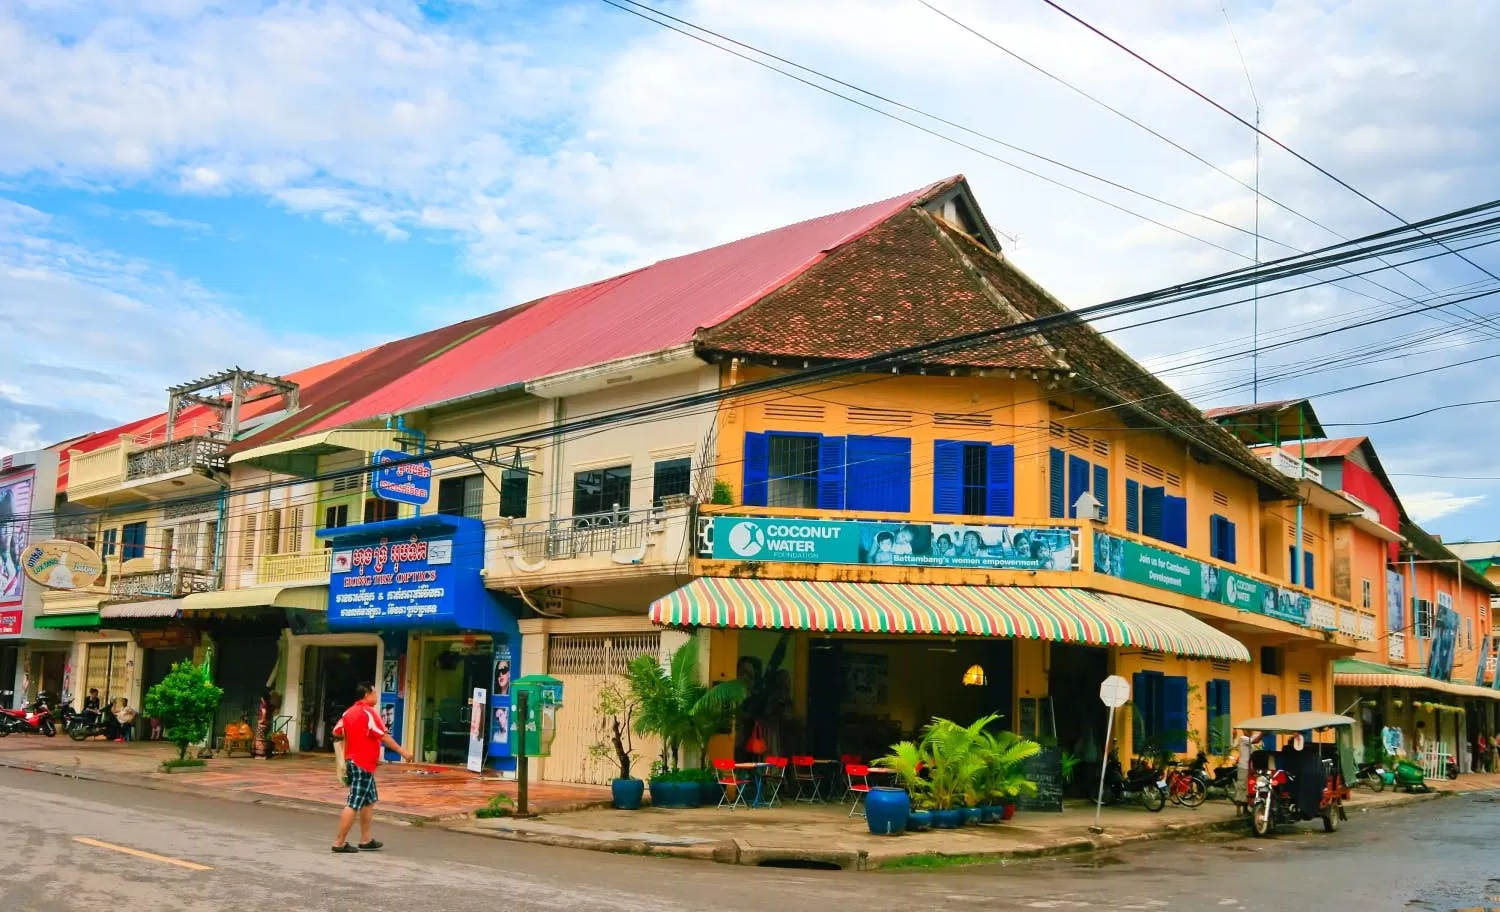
[616, 710]
[677, 708]
[955, 755]
[909, 759]
[1004, 781]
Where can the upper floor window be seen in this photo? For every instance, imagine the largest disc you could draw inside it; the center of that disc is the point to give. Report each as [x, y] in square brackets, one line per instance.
[1308, 577]
[133, 541]
[671, 478]
[1366, 596]
[1221, 539]
[1422, 618]
[601, 491]
[378, 510]
[108, 543]
[1069, 478]
[1155, 513]
[974, 479]
[336, 517]
[462, 496]
[830, 473]
[515, 485]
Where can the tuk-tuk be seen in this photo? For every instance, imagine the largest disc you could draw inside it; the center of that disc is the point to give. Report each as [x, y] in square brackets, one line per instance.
[1306, 778]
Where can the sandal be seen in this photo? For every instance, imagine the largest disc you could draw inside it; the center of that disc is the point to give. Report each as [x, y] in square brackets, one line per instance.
[371, 846]
[345, 849]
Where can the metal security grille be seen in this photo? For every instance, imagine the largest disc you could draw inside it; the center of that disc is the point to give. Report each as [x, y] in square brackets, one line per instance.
[598, 653]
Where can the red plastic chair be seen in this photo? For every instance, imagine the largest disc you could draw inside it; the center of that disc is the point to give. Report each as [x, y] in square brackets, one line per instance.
[843, 771]
[858, 775]
[730, 779]
[773, 778]
[804, 773]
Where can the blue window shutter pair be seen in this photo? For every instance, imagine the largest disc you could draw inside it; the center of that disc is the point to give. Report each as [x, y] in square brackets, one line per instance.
[1213, 534]
[757, 492]
[1056, 484]
[879, 474]
[1101, 489]
[1304, 701]
[1002, 480]
[1174, 520]
[1308, 579]
[1132, 506]
[1152, 511]
[1175, 712]
[1221, 538]
[1078, 483]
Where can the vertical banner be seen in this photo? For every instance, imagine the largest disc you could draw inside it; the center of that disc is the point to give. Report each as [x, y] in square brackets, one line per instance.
[477, 706]
[500, 708]
[393, 687]
[1395, 599]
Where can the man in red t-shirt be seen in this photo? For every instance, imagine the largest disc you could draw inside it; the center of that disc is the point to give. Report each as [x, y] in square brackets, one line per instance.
[363, 733]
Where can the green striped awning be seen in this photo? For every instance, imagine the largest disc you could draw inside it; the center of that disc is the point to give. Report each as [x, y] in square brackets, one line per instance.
[1038, 613]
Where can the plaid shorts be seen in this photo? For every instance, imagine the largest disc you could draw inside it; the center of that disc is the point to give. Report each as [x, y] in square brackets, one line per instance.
[361, 787]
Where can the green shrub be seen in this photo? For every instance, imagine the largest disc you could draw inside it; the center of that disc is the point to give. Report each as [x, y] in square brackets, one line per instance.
[498, 806]
[186, 702]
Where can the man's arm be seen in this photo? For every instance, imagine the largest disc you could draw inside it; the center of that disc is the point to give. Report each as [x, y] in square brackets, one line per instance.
[394, 745]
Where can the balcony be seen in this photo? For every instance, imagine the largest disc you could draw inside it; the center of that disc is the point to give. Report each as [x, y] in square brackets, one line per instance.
[172, 582]
[137, 469]
[293, 568]
[1292, 467]
[581, 549]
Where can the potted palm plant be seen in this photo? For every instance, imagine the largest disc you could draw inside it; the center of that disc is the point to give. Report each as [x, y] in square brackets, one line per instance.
[616, 709]
[908, 759]
[956, 758]
[1002, 776]
[677, 708]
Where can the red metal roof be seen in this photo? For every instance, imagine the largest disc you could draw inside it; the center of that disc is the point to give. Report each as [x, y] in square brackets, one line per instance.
[647, 310]
[1325, 449]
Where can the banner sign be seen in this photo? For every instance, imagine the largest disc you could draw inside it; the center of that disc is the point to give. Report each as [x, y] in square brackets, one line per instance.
[1483, 661]
[10, 622]
[1444, 636]
[943, 545]
[1128, 559]
[408, 483]
[62, 564]
[1395, 600]
[15, 510]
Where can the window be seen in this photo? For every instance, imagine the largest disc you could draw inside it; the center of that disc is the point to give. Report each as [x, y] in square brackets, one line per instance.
[1057, 484]
[1132, 506]
[462, 496]
[835, 473]
[1163, 516]
[247, 539]
[1304, 701]
[210, 547]
[377, 510]
[1218, 717]
[1160, 716]
[515, 486]
[1365, 596]
[878, 476]
[133, 541]
[974, 479]
[671, 478]
[1221, 538]
[601, 491]
[108, 544]
[1071, 477]
[1468, 633]
[272, 536]
[1270, 660]
[336, 517]
[1422, 618]
[1268, 708]
[793, 478]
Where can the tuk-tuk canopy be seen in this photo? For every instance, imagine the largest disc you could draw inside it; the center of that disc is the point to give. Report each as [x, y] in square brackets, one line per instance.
[1294, 722]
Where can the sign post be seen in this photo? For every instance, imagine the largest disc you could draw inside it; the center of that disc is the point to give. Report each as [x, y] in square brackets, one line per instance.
[1114, 693]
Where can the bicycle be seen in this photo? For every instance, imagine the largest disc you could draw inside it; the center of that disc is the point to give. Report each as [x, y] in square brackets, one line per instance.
[1184, 788]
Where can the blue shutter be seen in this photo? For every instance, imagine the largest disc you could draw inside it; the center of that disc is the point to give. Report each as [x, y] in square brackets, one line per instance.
[1214, 543]
[948, 477]
[1142, 703]
[1268, 708]
[757, 485]
[1132, 505]
[831, 472]
[1101, 489]
[1175, 712]
[1002, 481]
[1308, 579]
[879, 474]
[1056, 484]
[1078, 483]
[1227, 543]
[1304, 701]
[1291, 562]
[1151, 511]
[1174, 520]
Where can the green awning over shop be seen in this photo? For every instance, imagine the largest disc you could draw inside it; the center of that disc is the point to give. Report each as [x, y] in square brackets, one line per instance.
[85, 619]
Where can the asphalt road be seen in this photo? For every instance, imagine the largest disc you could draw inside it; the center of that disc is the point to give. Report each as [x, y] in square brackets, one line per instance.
[66, 846]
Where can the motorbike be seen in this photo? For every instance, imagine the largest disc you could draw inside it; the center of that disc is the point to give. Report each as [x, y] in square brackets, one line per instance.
[1276, 796]
[1222, 779]
[34, 721]
[1409, 776]
[82, 726]
[1142, 782]
[1370, 775]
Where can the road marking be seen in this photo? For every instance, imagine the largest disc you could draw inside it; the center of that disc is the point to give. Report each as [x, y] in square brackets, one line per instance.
[190, 865]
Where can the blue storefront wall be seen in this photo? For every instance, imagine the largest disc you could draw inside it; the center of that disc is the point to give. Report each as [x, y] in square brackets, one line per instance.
[422, 575]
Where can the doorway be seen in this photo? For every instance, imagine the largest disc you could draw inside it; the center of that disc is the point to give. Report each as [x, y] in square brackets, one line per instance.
[45, 672]
[1077, 718]
[330, 675]
[451, 669]
[9, 656]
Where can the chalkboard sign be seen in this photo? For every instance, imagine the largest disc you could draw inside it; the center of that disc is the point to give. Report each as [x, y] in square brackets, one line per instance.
[1045, 769]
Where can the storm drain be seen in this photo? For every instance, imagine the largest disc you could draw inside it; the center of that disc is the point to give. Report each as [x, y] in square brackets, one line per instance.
[806, 864]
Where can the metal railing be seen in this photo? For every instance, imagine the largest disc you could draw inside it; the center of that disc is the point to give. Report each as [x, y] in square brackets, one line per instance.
[296, 566]
[175, 456]
[576, 536]
[169, 583]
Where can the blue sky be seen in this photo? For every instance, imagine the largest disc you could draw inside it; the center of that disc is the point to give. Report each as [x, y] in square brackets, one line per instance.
[185, 186]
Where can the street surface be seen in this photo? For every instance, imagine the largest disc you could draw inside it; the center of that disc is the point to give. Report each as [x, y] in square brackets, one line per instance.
[79, 845]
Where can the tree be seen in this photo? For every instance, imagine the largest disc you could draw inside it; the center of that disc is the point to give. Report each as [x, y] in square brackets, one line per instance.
[186, 702]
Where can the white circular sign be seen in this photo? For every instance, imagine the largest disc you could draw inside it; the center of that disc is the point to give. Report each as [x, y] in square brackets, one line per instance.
[1115, 691]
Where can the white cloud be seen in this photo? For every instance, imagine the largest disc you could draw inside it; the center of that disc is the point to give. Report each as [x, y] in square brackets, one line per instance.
[1426, 506]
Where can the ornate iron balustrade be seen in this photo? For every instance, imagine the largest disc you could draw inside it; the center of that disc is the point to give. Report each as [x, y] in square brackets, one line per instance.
[169, 583]
[164, 458]
[600, 533]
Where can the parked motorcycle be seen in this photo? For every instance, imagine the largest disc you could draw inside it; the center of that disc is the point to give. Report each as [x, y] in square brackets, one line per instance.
[1409, 776]
[1222, 780]
[1142, 782]
[1370, 775]
[82, 726]
[34, 721]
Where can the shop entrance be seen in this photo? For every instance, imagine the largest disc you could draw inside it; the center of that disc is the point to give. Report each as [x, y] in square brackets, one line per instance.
[329, 676]
[1076, 717]
[45, 672]
[863, 695]
[9, 656]
[451, 669]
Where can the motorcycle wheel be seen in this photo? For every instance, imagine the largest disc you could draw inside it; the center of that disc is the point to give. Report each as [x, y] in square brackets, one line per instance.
[1331, 818]
[1260, 818]
[1376, 782]
[4, 731]
[1452, 771]
[50, 730]
[1195, 794]
[1153, 798]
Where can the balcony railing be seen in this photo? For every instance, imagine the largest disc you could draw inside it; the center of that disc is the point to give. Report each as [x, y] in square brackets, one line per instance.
[577, 536]
[1292, 467]
[169, 583]
[296, 567]
[165, 458]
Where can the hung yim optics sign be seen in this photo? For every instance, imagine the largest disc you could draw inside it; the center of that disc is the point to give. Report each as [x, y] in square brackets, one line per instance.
[742, 538]
[402, 482]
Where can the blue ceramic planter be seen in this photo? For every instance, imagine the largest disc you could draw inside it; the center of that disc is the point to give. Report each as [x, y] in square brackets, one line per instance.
[917, 821]
[988, 813]
[886, 811]
[709, 793]
[674, 794]
[971, 816]
[627, 793]
[948, 820]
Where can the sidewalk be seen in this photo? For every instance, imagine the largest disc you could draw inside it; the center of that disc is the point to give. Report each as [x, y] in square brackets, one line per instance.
[414, 793]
